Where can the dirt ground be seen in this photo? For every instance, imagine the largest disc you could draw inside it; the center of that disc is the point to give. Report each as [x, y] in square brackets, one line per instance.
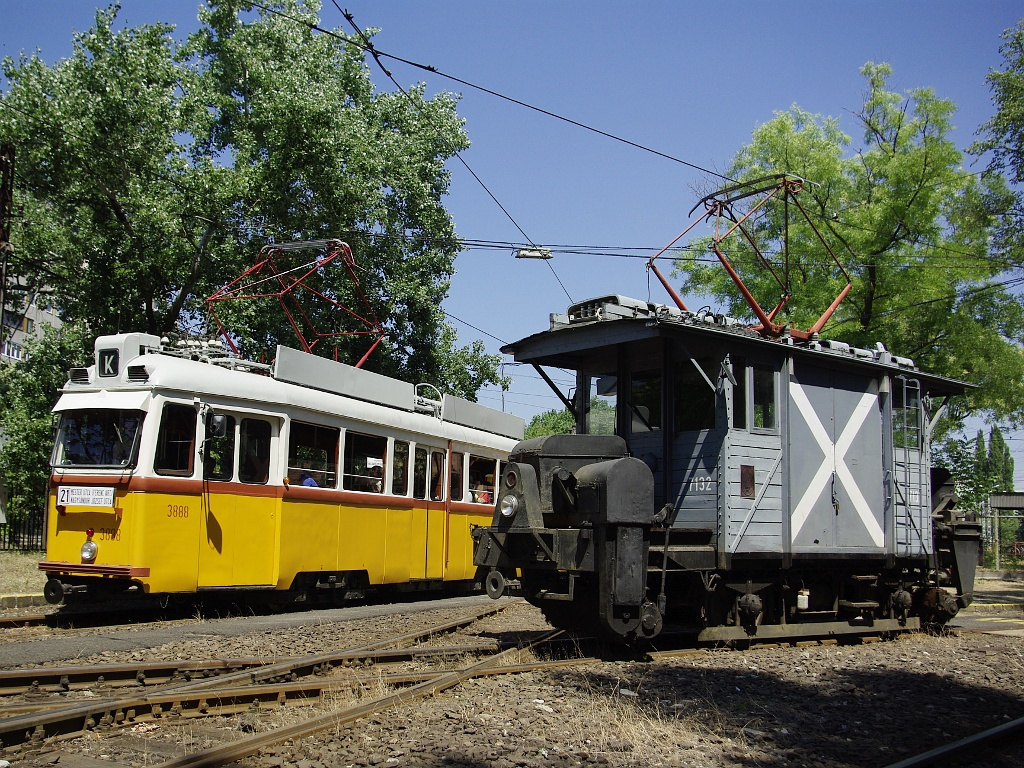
[20, 574]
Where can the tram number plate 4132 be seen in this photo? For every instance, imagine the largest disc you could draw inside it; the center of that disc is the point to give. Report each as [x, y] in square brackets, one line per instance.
[84, 496]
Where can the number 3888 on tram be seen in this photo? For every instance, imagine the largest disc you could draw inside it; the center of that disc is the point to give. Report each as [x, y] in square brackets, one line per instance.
[185, 470]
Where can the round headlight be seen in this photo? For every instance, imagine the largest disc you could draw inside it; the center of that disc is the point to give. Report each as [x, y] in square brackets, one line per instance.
[511, 478]
[509, 505]
[89, 550]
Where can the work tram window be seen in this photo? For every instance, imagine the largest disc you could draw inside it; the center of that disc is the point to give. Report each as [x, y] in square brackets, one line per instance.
[764, 398]
[313, 455]
[400, 469]
[907, 415]
[219, 452]
[645, 401]
[254, 451]
[739, 393]
[176, 441]
[98, 438]
[482, 472]
[602, 395]
[364, 462]
[695, 393]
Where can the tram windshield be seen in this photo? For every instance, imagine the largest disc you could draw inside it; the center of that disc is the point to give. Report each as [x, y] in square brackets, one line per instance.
[98, 437]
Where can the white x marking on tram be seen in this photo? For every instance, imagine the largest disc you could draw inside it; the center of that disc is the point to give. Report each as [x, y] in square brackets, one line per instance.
[834, 460]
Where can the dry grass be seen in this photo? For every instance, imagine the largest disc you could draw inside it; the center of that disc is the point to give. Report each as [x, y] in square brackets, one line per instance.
[625, 720]
[20, 574]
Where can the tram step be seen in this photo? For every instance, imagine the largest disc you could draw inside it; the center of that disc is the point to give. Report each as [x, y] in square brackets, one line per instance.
[683, 555]
[857, 605]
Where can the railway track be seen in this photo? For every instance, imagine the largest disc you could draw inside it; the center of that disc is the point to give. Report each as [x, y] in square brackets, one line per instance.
[178, 691]
[26, 620]
[960, 748]
[234, 707]
[178, 688]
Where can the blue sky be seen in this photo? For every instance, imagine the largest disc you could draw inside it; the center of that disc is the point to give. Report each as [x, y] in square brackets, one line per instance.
[690, 80]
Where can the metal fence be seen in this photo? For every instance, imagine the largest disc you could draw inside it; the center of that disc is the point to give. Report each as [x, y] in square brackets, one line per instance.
[23, 535]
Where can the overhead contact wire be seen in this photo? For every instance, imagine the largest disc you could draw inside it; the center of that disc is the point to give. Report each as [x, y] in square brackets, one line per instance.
[369, 48]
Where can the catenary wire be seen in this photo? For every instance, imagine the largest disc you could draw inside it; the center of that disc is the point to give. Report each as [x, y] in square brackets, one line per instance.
[378, 54]
[376, 57]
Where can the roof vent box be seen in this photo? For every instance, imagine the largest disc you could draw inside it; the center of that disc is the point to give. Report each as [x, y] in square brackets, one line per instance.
[606, 308]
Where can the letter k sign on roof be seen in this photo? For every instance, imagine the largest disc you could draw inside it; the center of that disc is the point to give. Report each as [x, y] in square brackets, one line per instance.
[108, 362]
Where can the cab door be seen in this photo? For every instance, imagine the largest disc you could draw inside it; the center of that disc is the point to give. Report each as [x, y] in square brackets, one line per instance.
[836, 470]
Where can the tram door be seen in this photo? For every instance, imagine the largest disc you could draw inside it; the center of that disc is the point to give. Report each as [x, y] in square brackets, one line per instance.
[427, 555]
[237, 545]
[835, 434]
[436, 514]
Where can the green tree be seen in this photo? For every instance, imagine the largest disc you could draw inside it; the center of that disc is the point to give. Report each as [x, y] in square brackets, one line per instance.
[319, 153]
[1002, 138]
[553, 422]
[28, 391]
[966, 464]
[119, 224]
[978, 469]
[153, 171]
[910, 225]
[1000, 462]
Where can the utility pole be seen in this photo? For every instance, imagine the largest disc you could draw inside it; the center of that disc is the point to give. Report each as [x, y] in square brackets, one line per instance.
[6, 218]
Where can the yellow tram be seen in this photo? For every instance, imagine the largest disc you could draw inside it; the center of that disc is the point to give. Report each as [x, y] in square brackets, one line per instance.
[186, 470]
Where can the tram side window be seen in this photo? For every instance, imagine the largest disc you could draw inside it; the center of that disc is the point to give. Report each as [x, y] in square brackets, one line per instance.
[254, 451]
[219, 452]
[419, 478]
[400, 469]
[364, 462]
[436, 475]
[694, 397]
[458, 462]
[176, 441]
[313, 455]
[482, 472]
[764, 397]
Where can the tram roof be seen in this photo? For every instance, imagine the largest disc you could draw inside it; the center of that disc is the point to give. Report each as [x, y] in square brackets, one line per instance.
[297, 380]
[574, 339]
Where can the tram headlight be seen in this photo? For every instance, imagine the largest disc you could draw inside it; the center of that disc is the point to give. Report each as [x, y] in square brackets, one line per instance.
[89, 548]
[509, 505]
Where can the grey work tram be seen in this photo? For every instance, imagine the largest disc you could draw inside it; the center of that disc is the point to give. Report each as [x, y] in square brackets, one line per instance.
[727, 483]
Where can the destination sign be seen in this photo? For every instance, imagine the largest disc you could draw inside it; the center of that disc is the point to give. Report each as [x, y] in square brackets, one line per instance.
[84, 496]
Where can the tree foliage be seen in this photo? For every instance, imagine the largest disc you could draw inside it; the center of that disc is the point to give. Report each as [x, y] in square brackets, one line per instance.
[1002, 138]
[152, 171]
[909, 224]
[553, 422]
[979, 469]
[28, 391]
